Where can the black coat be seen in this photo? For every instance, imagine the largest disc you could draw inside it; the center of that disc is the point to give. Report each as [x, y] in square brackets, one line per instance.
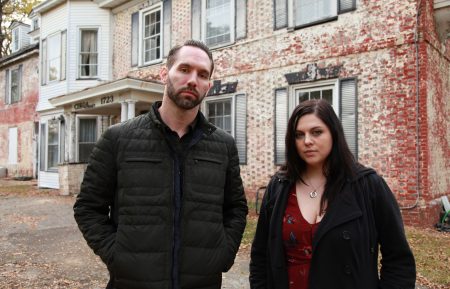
[148, 235]
[364, 217]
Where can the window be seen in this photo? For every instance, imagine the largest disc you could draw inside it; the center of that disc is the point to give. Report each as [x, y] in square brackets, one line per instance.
[15, 40]
[151, 36]
[54, 58]
[310, 11]
[87, 136]
[13, 79]
[35, 24]
[53, 145]
[12, 145]
[230, 114]
[218, 22]
[88, 61]
[299, 13]
[340, 93]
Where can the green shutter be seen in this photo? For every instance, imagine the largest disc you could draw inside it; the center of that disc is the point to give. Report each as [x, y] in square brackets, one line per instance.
[167, 28]
[240, 126]
[349, 113]
[196, 19]
[346, 5]
[241, 19]
[7, 86]
[135, 39]
[280, 14]
[281, 120]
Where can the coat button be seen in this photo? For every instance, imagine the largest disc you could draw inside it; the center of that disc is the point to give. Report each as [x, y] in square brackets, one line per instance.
[347, 269]
[346, 235]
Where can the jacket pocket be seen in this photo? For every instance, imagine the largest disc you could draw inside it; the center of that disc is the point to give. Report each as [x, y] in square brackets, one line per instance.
[207, 160]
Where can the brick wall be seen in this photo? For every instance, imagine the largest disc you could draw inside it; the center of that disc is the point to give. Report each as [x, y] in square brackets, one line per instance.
[376, 44]
[21, 115]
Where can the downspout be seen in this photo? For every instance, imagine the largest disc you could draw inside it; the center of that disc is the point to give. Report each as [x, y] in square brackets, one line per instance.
[416, 45]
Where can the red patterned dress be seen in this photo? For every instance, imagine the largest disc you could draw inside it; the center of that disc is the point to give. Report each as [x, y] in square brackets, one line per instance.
[297, 240]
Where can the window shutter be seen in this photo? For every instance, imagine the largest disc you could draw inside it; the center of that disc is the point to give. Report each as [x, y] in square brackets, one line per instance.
[167, 29]
[240, 127]
[241, 19]
[7, 85]
[19, 81]
[44, 63]
[135, 39]
[346, 5]
[42, 146]
[196, 19]
[281, 120]
[349, 112]
[280, 14]
[63, 54]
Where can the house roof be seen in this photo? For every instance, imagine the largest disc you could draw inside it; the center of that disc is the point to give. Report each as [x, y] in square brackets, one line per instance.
[20, 54]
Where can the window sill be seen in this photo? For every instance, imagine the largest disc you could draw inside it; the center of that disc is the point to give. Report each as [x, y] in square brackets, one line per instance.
[87, 78]
[159, 61]
[318, 22]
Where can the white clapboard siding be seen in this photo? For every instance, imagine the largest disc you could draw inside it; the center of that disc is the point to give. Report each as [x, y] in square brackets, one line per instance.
[54, 21]
[48, 180]
[87, 14]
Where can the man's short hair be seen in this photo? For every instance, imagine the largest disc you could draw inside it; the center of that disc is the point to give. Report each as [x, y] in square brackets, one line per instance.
[171, 58]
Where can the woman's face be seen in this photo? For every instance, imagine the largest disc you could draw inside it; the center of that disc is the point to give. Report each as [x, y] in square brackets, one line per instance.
[313, 140]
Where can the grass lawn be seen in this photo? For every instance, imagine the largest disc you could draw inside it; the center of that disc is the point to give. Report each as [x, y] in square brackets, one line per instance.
[431, 251]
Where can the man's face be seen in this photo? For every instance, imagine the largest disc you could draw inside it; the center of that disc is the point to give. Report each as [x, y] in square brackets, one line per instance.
[187, 81]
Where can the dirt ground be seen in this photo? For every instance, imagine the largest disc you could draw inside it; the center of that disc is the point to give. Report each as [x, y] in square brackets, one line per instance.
[41, 247]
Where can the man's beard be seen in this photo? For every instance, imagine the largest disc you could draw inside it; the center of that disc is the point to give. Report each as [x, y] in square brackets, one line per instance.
[181, 102]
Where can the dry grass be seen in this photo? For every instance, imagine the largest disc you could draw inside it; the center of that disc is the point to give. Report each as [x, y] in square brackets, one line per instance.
[431, 250]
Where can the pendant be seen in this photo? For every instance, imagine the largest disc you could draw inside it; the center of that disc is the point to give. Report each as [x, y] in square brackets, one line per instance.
[313, 194]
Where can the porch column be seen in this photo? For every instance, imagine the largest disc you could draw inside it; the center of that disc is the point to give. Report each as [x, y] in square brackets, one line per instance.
[131, 108]
[123, 111]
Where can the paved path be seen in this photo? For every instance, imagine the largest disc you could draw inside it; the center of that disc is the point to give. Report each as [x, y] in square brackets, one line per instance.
[41, 247]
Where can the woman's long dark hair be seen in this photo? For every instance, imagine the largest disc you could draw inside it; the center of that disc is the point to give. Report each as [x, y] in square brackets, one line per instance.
[340, 164]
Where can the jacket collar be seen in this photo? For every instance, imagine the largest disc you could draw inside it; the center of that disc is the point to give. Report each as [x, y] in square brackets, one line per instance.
[207, 127]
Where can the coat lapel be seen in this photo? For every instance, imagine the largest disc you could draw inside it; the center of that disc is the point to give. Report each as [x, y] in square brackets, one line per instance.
[344, 208]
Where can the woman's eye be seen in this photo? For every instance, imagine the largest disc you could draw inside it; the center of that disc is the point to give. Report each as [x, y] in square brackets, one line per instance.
[317, 132]
[299, 135]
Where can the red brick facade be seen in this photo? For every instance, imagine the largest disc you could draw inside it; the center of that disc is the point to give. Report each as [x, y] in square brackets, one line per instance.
[21, 114]
[403, 83]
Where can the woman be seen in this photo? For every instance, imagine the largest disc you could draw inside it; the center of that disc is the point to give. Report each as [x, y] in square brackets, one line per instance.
[324, 216]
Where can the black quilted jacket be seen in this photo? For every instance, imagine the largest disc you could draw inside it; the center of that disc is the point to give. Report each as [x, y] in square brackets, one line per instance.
[126, 208]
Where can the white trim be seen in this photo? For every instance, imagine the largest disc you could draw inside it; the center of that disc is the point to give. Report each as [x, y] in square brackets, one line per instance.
[221, 98]
[80, 29]
[333, 83]
[141, 27]
[232, 24]
[77, 130]
[13, 138]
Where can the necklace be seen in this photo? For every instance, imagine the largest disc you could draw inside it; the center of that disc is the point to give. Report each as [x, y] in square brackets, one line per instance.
[313, 193]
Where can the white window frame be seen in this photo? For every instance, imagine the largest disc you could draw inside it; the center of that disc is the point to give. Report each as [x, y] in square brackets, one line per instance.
[332, 83]
[142, 15]
[80, 32]
[12, 145]
[210, 99]
[19, 84]
[15, 35]
[35, 23]
[77, 134]
[292, 11]
[47, 168]
[232, 25]
[47, 58]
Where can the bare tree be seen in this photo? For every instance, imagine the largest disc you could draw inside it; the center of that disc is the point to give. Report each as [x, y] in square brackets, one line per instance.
[11, 10]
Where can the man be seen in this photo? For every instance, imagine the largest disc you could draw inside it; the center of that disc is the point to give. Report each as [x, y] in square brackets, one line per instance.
[162, 201]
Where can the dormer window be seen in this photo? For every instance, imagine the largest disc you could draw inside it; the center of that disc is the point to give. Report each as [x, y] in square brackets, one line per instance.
[15, 40]
[35, 24]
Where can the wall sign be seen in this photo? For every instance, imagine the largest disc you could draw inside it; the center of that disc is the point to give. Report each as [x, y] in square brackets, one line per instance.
[313, 72]
[219, 88]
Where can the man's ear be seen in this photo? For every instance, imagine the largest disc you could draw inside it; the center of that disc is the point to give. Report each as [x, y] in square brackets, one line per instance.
[163, 72]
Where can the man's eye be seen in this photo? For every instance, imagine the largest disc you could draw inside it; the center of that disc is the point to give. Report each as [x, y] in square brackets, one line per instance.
[183, 69]
[204, 75]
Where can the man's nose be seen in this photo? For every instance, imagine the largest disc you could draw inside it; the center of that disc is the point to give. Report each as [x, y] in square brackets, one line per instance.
[192, 80]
